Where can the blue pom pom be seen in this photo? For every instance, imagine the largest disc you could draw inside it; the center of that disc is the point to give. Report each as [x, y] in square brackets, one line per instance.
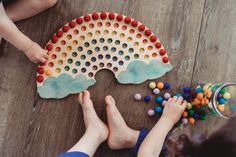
[158, 109]
[221, 101]
[178, 94]
[147, 98]
[199, 90]
[186, 89]
[196, 116]
[166, 85]
[159, 99]
[186, 96]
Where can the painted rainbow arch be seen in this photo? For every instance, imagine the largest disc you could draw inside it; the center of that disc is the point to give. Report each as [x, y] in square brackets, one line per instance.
[96, 41]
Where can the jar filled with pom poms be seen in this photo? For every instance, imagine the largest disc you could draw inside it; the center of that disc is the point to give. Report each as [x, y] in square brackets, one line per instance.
[216, 99]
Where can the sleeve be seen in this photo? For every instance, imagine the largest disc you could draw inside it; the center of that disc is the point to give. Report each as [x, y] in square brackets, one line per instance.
[74, 154]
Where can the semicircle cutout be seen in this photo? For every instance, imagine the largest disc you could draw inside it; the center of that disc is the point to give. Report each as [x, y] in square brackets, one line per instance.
[98, 41]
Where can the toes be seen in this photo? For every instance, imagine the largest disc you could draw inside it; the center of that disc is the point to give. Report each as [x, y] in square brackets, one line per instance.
[109, 100]
[80, 98]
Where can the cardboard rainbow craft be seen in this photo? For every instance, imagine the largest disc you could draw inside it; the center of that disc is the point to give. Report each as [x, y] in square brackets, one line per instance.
[87, 44]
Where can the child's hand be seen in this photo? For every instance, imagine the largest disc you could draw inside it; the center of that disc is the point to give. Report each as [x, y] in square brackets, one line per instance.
[36, 54]
[174, 109]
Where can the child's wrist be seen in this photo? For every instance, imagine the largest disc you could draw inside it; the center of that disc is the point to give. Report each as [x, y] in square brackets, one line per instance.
[167, 120]
[28, 48]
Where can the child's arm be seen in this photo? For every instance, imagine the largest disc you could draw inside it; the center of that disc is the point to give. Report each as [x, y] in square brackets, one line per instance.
[153, 143]
[11, 33]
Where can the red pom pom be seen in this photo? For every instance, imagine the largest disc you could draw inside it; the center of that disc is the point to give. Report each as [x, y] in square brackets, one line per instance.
[95, 16]
[86, 18]
[162, 52]
[103, 15]
[49, 47]
[111, 16]
[158, 45]
[141, 28]
[59, 34]
[119, 17]
[54, 39]
[42, 64]
[134, 23]
[40, 70]
[148, 32]
[79, 20]
[40, 78]
[153, 38]
[127, 19]
[165, 59]
[65, 28]
[72, 24]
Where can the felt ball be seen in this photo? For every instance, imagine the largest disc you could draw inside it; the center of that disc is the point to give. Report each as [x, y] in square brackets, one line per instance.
[119, 17]
[191, 112]
[209, 94]
[186, 96]
[59, 34]
[178, 94]
[191, 120]
[40, 78]
[72, 24]
[134, 23]
[156, 91]
[153, 38]
[167, 85]
[151, 112]
[163, 103]
[160, 85]
[199, 90]
[65, 28]
[222, 91]
[162, 52]
[226, 95]
[54, 39]
[79, 20]
[221, 107]
[221, 101]
[167, 96]
[196, 116]
[210, 106]
[186, 89]
[184, 121]
[40, 70]
[203, 117]
[159, 99]
[165, 59]
[158, 109]
[103, 15]
[148, 32]
[111, 16]
[189, 106]
[48, 72]
[147, 98]
[185, 114]
[206, 87]
[141, 28]
[158, 45]
[95, 16]
[199, 96]
[152, 85]
[86, 18]
[127, 19]
[137, 96]
[49, 47]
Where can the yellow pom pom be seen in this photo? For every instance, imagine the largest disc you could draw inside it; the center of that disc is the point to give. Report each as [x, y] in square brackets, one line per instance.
[152, 85]
[48, 72]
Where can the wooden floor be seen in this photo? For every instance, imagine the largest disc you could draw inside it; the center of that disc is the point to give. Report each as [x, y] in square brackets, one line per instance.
[201, 40]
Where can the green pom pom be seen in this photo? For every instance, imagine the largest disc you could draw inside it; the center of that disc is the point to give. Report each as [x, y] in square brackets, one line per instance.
[191, 113]
[222, 91]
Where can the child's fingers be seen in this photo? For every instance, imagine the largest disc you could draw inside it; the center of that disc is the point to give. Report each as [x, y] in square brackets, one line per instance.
[42, 60]
[174, 99]
[179, 100]
[45, 56]
[184, 104]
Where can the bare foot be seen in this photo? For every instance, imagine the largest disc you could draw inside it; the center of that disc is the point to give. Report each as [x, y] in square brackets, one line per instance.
[121, 136]
[94, 126]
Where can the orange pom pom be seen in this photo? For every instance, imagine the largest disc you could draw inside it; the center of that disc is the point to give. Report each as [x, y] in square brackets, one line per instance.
[200, 96]
[191, 120]
[185, 114]
[160, 85]
[221, 107]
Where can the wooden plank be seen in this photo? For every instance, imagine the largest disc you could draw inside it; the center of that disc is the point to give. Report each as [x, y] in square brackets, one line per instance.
[216, 57]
